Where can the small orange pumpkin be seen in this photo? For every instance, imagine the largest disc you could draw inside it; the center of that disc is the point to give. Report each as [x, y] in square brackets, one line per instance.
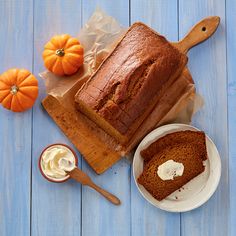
[18, 89]
[63, 55]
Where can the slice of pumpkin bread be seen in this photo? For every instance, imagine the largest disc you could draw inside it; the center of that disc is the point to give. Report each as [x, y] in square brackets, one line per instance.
[187, 154]
[195, 137]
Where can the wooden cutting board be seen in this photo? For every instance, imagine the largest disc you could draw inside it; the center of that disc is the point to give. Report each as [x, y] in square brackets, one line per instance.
[99, 149]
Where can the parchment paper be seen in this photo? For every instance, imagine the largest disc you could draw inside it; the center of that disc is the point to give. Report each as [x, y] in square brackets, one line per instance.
[98, 37]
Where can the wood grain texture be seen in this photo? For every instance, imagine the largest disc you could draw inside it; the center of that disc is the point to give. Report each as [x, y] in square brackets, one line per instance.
[145, 219]
[84, 134]
[16, 30]
[200, 32]
[69, 209]
[207, 63]
[100, 217]
[56, 208]
[231, 71]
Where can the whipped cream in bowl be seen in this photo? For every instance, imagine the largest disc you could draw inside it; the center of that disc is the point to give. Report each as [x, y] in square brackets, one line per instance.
[55, 161]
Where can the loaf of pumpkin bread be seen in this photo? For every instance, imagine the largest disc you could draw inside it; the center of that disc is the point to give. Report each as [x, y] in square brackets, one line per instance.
[128, 84]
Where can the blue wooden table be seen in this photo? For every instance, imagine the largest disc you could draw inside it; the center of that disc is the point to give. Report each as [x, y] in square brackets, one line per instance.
[29, 205]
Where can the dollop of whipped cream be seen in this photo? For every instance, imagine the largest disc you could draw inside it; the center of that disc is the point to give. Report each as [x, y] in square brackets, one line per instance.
[56, 160]
[170, 169]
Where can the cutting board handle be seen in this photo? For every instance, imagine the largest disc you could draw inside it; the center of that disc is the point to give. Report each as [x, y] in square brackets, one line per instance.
[199, 33]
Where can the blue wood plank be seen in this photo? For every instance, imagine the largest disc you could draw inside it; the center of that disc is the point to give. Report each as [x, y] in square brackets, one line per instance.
[231, 71]
[16, 31]
[119, 10]
[100, 217]
[56, 208]
[146, 219]
[207, 63]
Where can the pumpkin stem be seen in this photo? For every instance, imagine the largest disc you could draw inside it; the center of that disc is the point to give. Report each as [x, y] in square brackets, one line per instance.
[14, 89]
[60, 52]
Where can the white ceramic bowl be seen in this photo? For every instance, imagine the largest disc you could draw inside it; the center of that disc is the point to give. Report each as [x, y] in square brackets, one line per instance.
[197, 191]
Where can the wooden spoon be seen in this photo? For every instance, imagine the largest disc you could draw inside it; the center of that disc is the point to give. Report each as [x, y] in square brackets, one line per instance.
[84, 179]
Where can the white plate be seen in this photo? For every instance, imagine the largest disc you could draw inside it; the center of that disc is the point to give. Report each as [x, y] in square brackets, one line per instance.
[195, 192]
